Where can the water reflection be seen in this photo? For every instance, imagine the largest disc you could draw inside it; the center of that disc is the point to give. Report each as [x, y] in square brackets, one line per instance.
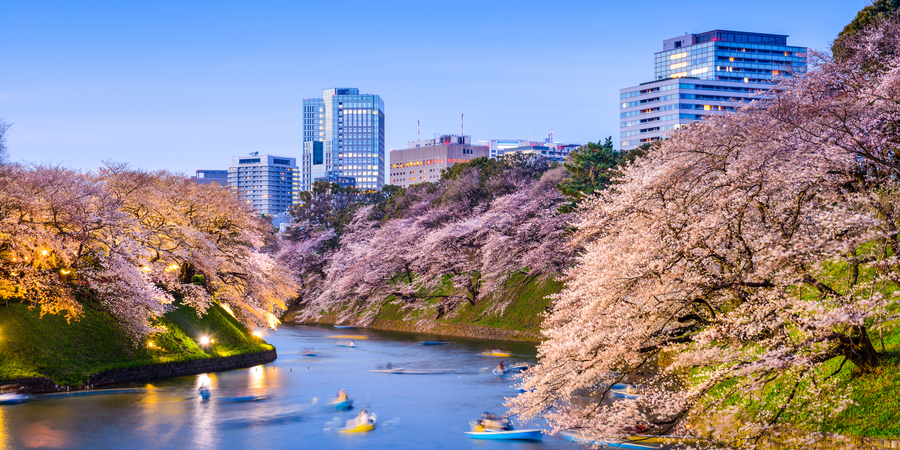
[44, 434]
[204, 413]
[414, 411]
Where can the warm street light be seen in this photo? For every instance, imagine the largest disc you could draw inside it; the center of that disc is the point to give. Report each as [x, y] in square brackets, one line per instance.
[150, 344]
[204, 340]
[44, 252]
[257, 334]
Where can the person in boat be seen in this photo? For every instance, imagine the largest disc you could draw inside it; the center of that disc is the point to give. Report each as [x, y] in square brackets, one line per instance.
[341, 396]
[361, 419]
[492, 422]
[500, 367]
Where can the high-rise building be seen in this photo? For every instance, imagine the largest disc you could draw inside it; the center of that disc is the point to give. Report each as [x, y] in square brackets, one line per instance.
[343, 136]
[423, 160]
[701, 74]
[205, 176]
[264, 181]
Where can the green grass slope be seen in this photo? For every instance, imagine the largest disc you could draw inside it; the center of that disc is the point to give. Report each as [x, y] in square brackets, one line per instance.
[528, 299]
[31, 346]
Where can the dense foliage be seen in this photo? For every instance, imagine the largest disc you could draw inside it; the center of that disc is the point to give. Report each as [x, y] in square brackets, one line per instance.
[125, 241]
[592, 167]
[738, 266]
[434, 245]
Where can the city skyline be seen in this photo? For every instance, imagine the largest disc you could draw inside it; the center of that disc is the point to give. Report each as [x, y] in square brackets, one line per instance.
[182, 87]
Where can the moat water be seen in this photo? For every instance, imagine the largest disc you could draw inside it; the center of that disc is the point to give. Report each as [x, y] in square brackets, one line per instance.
[414, 411]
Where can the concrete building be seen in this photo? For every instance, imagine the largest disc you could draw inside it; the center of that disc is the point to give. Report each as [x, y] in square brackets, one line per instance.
[553, 150]
[343, 134]
[205, 176]
[265, 181]
[701, 74]
[423, 160]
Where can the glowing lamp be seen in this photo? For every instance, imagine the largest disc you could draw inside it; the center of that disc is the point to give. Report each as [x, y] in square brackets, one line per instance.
[44, 252]
[150, 344]
[257, 334]
[204, 340]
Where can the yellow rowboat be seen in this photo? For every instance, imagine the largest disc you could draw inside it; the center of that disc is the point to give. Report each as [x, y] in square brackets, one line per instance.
[494, 353]
[358, 337]
[362, 428]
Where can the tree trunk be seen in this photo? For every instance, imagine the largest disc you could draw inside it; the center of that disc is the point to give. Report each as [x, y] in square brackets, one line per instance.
[859, 350]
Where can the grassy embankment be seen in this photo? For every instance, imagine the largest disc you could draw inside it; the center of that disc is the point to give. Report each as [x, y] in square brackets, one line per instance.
[874, 396]
[67, 353]
[529, 301]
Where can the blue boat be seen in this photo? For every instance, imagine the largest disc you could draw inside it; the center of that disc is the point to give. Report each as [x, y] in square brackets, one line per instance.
[434, 343]
[345, 405]
[14, 398]
[506, 435]
[245, 398]
[342, 327]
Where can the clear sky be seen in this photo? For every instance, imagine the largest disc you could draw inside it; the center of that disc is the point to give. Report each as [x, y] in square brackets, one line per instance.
[182, 85]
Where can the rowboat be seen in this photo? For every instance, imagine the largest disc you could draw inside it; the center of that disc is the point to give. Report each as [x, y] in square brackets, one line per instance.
[518, 367]
[434, 343]
[345, 405]
[13, 398]
[244, 398]
[358, 337]
[344, 327]
[623, 393]
[506, 435]
[361, 428]
[571, 436]
[412, 371]
[495, 352]
[350, 344]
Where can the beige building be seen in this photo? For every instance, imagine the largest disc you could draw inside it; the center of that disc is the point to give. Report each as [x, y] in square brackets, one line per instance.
[423, 160]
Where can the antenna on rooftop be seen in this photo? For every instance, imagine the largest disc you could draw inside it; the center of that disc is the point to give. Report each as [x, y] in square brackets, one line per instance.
[418, 131]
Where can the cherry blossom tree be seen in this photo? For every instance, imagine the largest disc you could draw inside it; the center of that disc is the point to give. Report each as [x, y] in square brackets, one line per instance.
[736, 269]
[437, 246]
[127, 241]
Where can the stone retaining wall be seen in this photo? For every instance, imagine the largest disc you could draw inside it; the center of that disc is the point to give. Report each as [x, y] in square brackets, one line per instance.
[438, 328]
[146, 373]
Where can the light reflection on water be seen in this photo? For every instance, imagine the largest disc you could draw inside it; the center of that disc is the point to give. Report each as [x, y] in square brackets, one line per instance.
[414, 411]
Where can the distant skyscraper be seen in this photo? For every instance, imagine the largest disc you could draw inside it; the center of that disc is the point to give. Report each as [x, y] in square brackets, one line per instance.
[424, 160]
[264, 181]
[343, 136]
[702, 74]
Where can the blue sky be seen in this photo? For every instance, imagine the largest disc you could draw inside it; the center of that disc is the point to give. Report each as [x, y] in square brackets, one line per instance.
[186, 85]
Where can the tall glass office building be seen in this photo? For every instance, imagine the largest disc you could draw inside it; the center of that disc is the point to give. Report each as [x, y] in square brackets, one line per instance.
[701, 74]
[343, 136]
